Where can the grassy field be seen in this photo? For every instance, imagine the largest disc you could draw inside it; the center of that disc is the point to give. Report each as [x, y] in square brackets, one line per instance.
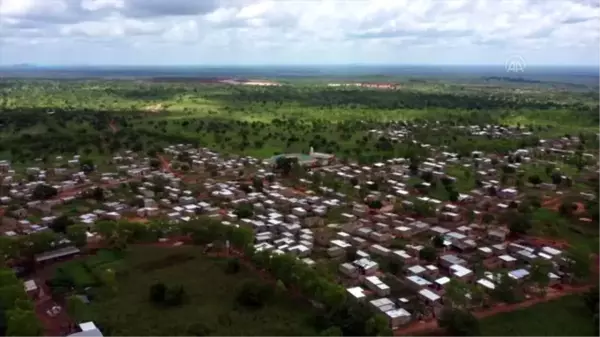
[548, 224]
[86, 273]
[566, 316]
[211, 299]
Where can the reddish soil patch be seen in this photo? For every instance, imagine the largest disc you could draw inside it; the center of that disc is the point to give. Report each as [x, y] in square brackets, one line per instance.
[113, 126]
[59, 324]
[554, 204]
[137, 219]
[387, 209]
[166, 166]
[543, 241]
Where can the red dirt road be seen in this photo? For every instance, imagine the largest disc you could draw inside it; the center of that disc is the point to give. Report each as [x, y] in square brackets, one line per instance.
[166, 166]
[59, 324]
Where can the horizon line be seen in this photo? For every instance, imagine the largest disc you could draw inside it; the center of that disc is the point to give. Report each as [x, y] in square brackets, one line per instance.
[25, 64]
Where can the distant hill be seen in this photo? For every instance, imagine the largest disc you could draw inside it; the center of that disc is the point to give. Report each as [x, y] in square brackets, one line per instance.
[510, 79]
[588, 76]
[23, 65]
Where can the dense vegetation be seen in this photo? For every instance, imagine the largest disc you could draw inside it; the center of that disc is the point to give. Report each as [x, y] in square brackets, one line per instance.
[41, 118]
[17, 314]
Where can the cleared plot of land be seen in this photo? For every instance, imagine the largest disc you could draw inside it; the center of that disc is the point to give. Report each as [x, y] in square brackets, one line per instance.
[210, 301]
[563, 317]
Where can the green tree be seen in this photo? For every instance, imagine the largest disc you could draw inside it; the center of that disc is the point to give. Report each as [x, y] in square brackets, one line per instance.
[10, 293]
[22, 323]
[487, 218]
[158, 293]
[9, 249]
[233, 266]
[438, 241]
[199, 329]
[43, 192]
[477, 295]
[285, 164]
[423, 208]
[61, 223]
[428, 253]
[77, 234]
[591, 299]
[456, 294]
[377, 325]
[175, 296]
[458, 322]
[505, 289]
[539, 275]
[108, 277]
[241, 237]
[578, 264]
[254, 294]
[258, 184]
[244, 210]
[331, 331]
[519, 223]
[98, 194]
[76, 306]
[394, 266]
[593, 210]
[87, 166]
[351, 253]
[106, 228]
[535, 179]
[39, 242]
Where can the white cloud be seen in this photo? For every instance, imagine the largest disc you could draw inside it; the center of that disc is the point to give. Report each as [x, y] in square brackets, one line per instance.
[309, 31]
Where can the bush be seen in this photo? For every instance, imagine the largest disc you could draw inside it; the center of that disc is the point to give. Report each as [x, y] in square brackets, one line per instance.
[233, 266]
[175, 296]
[428, 254]
[43, 192]
[60, 224]
[254, 294]
[459, 323]
[199, 329]
[163, 295]
[158, 293]
[591, 299]
[244, 211]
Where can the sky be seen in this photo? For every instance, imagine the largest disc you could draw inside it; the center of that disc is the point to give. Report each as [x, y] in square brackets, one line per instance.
[251, 32]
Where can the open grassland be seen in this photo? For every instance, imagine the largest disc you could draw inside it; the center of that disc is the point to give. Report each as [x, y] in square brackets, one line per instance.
[566, 316]
[210, 303]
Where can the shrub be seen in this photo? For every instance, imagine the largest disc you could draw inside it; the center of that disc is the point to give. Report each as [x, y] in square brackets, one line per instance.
[158, 293]
[233, 266]
[175, 296]
[168, 296]
[254, 294]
